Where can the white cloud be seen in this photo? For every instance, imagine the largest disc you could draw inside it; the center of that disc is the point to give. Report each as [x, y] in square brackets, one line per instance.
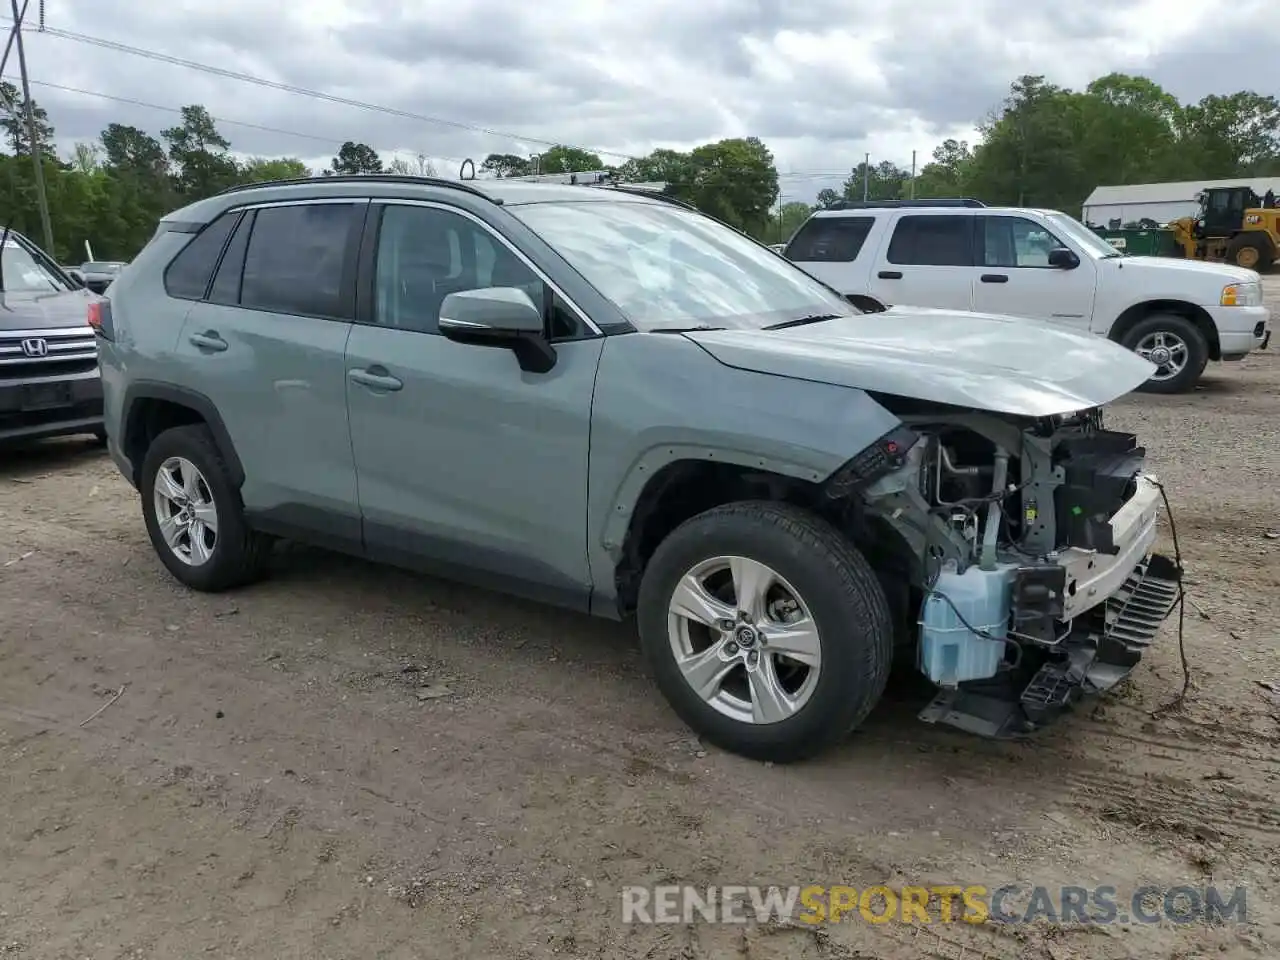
[822, 82]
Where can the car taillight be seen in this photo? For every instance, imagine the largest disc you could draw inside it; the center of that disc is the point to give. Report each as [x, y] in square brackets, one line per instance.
[99, 318]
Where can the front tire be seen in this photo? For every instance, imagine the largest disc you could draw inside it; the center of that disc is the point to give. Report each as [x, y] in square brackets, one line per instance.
[766, 629]
[1177, 348]
[194, 515]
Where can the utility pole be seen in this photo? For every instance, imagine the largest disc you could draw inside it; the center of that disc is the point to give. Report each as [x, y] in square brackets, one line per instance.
[34, 142]
[866, 170]
[913, 175]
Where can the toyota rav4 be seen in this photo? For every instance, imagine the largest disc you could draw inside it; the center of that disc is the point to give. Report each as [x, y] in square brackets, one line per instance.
[608, 401]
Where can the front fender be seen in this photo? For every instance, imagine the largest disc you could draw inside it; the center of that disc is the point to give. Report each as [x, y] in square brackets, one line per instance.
[660, 398]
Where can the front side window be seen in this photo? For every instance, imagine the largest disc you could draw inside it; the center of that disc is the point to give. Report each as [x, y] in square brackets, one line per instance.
[425, 254]
[1016, 242]
[932, 241]
[296, 259]
[1084, 238]
[24, 270]
[667, 267]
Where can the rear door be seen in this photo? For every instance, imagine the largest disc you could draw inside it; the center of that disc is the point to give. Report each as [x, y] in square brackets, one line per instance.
[1015, 278]
[828, 247]
[266, 344]
[927, 262]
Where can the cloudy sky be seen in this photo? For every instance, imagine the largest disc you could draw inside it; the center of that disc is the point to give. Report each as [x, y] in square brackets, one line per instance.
[821, 81]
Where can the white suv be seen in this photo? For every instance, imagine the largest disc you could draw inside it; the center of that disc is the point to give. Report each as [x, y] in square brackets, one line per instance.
[1040, 264]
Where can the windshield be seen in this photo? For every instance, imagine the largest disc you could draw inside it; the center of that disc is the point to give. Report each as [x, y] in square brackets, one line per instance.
[667, 267]
[1093, 244]
[25, 272]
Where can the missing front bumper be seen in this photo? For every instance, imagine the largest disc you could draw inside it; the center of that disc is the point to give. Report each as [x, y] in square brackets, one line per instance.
[1101, 650]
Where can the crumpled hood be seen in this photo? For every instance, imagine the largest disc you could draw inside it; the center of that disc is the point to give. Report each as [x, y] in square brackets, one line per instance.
[983, 361]
[44, 311]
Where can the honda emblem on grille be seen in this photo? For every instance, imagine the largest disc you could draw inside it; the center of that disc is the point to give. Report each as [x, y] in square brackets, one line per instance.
[35, 347]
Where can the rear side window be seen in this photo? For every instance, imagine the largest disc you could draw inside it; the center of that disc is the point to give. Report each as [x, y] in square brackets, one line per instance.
[932, 241]
[298, 260]
[226, 285]
[830, 240]
[187, 276]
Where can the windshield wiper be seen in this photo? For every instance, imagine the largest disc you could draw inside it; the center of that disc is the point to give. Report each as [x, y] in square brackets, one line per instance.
[803, 321]
[701, 328]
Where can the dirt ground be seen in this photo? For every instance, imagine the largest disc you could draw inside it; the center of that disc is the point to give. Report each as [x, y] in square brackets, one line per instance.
[347, 761]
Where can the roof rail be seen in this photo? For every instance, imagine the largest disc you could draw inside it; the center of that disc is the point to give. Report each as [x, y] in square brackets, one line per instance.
[642, 192]
[363, 178]
[939, 202]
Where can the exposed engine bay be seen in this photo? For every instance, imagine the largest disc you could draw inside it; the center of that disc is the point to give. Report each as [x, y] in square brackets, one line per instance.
[1033, 574]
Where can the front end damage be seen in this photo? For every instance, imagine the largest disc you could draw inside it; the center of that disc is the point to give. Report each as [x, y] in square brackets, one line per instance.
[1026, 547]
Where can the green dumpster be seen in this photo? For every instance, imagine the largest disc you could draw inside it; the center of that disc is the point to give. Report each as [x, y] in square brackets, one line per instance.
[1141, 242]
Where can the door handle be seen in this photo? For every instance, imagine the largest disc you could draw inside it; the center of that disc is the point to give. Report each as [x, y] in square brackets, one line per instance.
[994, 278]
[375, 378]
[209, 340]
[890, 274]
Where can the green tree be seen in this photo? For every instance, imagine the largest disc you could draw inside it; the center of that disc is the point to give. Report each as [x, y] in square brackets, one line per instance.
[828, 198]
[506, 165]
[1234, 135]
[788, 220]
[86, 157]
[279, 168]
[947, 175]
[13, 110]
[356, 158]
[199, 154]
[568, 160]
[736, 181]
[661, 166]
[887, 181]
[129, 150]
[1029, 152]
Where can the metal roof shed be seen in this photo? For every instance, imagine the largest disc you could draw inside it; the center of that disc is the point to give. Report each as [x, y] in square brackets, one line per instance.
[1160, 202]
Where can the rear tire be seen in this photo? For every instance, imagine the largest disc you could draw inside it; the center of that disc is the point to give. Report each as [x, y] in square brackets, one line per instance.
[1187, 350]
[186, 462]
[839, 608]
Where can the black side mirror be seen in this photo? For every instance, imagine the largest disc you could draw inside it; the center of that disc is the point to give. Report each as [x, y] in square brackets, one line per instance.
[499, 317]
[1063, 259]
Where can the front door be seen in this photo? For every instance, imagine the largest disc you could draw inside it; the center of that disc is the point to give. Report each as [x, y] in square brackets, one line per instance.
[468, 465]
[1015, 278]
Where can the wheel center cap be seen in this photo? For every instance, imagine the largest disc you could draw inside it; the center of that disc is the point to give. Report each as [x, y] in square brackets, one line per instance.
[745, 636]
[1160, 356]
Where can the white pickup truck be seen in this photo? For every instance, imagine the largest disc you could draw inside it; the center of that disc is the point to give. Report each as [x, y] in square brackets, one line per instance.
[1040, 264]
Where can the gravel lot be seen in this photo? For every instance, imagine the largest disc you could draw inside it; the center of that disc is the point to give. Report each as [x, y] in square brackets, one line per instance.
[349, 761]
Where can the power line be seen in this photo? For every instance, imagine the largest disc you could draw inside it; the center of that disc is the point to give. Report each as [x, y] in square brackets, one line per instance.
[305, 92]
[331, 141]
[789, 177]
[120, 47]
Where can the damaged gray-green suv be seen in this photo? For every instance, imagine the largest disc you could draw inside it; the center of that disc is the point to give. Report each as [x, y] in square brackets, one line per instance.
[605, 400]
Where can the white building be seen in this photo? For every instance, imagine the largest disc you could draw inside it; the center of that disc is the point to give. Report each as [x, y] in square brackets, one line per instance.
[1160, 202]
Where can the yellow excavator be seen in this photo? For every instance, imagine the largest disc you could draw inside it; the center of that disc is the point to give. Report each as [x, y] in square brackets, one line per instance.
[1235, 225]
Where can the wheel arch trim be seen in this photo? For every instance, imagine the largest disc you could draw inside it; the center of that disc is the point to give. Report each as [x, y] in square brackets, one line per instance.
[191, 399]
